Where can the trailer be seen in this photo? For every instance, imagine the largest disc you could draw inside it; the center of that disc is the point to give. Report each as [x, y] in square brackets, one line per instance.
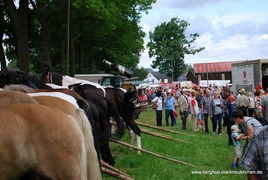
[96, 78]
[247, 74]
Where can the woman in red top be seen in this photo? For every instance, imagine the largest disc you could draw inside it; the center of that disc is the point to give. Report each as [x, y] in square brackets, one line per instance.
[259, 86]
[143, 98]
[194, 110]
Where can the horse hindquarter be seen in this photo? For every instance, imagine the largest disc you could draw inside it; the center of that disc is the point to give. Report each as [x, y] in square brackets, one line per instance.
[40, 138]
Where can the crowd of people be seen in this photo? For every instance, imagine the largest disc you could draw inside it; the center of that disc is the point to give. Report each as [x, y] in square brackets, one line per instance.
[243, 117]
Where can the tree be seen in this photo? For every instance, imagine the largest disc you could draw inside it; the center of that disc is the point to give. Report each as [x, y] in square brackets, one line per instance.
[168, 44]
[141, 73]
[20, 19]
[36, 36]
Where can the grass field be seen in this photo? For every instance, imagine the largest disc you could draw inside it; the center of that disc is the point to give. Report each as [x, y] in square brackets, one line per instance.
[209, 153]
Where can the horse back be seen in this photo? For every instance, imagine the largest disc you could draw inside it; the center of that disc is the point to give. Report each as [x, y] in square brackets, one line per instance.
[40, 138]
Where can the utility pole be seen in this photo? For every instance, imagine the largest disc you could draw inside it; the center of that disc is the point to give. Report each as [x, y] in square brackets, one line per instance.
[207, 73]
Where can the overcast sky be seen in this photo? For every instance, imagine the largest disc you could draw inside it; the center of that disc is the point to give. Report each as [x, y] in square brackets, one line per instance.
[229, 29]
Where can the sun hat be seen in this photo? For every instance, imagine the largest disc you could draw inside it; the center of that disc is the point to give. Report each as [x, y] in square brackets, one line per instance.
[234, 128]
[242, 91]
[184, 90]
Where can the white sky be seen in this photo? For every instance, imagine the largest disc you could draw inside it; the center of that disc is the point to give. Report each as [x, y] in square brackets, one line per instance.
[229, 29]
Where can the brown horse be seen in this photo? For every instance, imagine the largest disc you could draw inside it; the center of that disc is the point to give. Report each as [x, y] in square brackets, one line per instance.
[46, 141]
[79, 115]
[100, 111]
[12, 97]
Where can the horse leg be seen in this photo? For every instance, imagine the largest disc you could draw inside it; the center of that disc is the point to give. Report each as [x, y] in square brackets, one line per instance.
[139, 143]
[106, 154]
[132, 138]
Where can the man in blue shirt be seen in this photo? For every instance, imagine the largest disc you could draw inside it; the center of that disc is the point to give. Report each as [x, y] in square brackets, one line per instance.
[169, 103]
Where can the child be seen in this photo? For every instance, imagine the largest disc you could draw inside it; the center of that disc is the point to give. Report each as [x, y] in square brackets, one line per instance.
[259, 117]
[236, 138]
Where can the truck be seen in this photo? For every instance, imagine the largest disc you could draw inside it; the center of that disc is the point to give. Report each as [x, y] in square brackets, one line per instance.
[123, 79]
[247, 74]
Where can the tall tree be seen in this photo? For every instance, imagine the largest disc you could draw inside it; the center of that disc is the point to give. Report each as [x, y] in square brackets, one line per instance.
[168, 44]
[98, 29]
[20, 19]
[2, 32]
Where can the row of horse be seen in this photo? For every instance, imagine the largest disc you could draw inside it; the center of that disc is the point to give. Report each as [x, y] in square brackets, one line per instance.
[92, 102]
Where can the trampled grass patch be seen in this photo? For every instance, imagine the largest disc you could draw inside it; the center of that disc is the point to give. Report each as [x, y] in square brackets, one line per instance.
[209, 153]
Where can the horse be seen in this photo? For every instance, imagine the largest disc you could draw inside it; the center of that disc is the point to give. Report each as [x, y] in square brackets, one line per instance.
[98, 115]
[46, 141]
[11, 97]
[125, 101]
[103, 128]
[65, 81]
[20, 77]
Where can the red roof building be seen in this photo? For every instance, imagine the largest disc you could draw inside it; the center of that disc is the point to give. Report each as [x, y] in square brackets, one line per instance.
[211, 71]
[212, 67]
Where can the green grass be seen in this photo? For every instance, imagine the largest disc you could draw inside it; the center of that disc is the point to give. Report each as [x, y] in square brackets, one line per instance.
[209, 153]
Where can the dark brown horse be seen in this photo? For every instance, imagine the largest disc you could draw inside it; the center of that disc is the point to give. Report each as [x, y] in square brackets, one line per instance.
[125, 101]
[20, 77]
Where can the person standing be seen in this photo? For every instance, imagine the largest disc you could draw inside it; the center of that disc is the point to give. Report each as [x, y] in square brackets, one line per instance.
[194, 110]
[200, 116]
[251, 105]
[184, 106]
[169, 106]
[259, 86]
[264, 104]
[242, 101]
[206, 108]
[158, 101]
[216, 107]
[230, 106]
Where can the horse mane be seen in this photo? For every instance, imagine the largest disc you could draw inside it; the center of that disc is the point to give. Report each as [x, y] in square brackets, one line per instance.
[19, 87]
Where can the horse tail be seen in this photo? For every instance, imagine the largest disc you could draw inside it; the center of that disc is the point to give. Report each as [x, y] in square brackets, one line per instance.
[84, 105]
[83, 159]
[90, 155]
[112, 111]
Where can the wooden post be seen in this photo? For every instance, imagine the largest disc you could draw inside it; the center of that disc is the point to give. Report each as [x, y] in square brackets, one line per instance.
[151, 153]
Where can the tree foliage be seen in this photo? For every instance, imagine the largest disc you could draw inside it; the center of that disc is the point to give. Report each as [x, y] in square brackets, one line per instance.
[97, 29]
[168, 44]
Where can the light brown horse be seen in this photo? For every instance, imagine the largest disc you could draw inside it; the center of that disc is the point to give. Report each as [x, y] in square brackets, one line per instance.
[12, 97]
[79, 115]
[43, 140]
[92, 163]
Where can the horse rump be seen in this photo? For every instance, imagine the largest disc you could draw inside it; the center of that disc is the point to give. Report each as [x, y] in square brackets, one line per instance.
[34, 139]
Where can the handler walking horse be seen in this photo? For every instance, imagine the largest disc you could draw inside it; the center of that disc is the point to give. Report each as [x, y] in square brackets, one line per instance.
[42, 140]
